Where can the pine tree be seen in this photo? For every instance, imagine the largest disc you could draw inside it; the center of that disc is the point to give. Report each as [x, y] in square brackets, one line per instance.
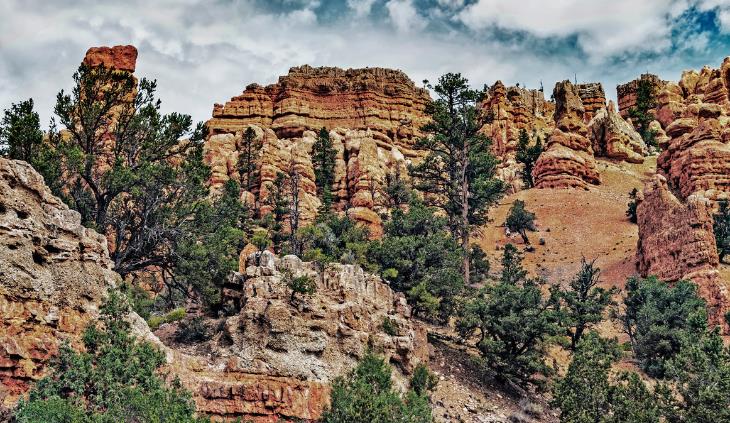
[527, 155]
[459, 168]
[721, 228]
[520, 220]
[323, 160]
[20, 132]
[247, 160]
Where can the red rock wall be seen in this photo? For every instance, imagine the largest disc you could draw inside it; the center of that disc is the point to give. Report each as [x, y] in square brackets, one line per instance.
[593, 98]
[626, 93]
[122, 58]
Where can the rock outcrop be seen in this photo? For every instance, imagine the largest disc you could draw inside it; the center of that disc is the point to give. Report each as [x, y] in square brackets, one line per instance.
[568, 160]
[54, 274]
[593, 98]
[373, 116]
[626, 93]
[613, 137]
[676, 242]
[122, 58]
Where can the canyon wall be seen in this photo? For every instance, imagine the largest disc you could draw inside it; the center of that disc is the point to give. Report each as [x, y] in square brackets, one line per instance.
[611, 136]
[593, 98]
[626, 93]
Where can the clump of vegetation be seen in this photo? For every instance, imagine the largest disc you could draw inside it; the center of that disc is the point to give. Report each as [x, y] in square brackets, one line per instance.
[660, 318]
[115, 379]
[192, 330]
[520, 220]
[513, 322]
[367, 394]
[527, 155]
[301, 285]
[20, 132]
[641, 115]
[323, 161]
[154, 322]
[248, 168]
[721, 228]
[631, 206]
[423, 381]
[389, 326]
[335, 239]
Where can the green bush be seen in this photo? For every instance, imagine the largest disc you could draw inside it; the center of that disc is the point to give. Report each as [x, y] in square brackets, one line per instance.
[366, 394]
[175, 315]
[114, 380]
[303, 285]
[423, 380]
[389, 326]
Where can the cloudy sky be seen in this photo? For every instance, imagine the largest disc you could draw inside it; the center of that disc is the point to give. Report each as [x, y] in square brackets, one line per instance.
[202, 52]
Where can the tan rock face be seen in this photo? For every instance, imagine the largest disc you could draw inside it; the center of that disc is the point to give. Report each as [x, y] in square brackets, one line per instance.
[568, 160]
[53, 275]
[118, 57]
[611, 136]
[593, 98]
[373, 116]
[676, 242]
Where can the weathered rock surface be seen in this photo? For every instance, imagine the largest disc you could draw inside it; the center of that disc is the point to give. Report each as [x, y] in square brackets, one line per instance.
[626, 93]
[373, 116]
[568, 160]
[613, 137]
[676, 242]
[593, 98]
[53, 275]
[118, 57]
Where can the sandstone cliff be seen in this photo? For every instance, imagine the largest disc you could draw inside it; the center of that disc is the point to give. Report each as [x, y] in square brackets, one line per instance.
[568, 160]
[613, 137]
[626, 93]
[593, 98]
[676, 242]
[53, 275]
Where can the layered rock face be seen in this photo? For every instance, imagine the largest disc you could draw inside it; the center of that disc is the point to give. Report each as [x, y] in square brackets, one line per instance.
[301, 343]
[676, 242]
[568, 160]
[613, 137]
[626, 93]
[593, 98]
[53, 275]
[122, 58]
[373, 116]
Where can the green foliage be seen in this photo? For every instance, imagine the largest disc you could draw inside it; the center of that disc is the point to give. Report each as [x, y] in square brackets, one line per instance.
[520, 220]
[389, 327]
[367, 395]
[261, 240]
[335, 239]
[587, 395]
[584, 301]
[114, 380]
[423, 381]
[459, 168]
[397, 191]
[192, 330]
[425, 259]
[513, 322]
[303, 285]
[660, 318]
[278, 201]
[631, 206]
[20, 132]
[701, 372]
[247, 160]
[721, 228]
[139, 299]
[527, 155]
[175, 315]
[641, 115]
[323, 160]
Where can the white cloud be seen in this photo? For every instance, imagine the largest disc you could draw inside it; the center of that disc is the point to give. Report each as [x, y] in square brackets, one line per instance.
[404, 15]
[361, 7]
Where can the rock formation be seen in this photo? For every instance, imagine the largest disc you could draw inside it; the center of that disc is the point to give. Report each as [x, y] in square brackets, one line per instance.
[122, 58]
[676, 242]
[568, 160]
[613, 137]
[593, 98]
[626, 93]
[53, 275]
[373, 116]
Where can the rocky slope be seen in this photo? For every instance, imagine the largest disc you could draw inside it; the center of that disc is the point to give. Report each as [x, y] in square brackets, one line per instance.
[53, 275]
[568, 160]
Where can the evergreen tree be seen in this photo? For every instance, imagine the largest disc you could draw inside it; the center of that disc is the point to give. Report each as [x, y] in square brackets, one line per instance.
[721, 228]
[278, 201]
[323, 160]
[247, 160]
[20, 132]
[631, 206]
[641, 115]
[585, 302]
[459, 169]
[527, 155]
[367, 395]
[513, 322]
[520, 220]
[660, 318]
[421, 258]
[115, 379]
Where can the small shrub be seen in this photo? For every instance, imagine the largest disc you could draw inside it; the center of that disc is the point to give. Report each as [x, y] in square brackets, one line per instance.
[389, 326]
[631, 209]
[423, 380]
[175, 315]
[303, 285]
[193, 330]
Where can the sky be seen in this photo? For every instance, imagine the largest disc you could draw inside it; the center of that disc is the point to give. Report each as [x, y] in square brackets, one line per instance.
[205, 52]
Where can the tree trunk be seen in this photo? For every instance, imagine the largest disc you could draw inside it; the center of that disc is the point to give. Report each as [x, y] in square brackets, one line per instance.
[465, 217]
